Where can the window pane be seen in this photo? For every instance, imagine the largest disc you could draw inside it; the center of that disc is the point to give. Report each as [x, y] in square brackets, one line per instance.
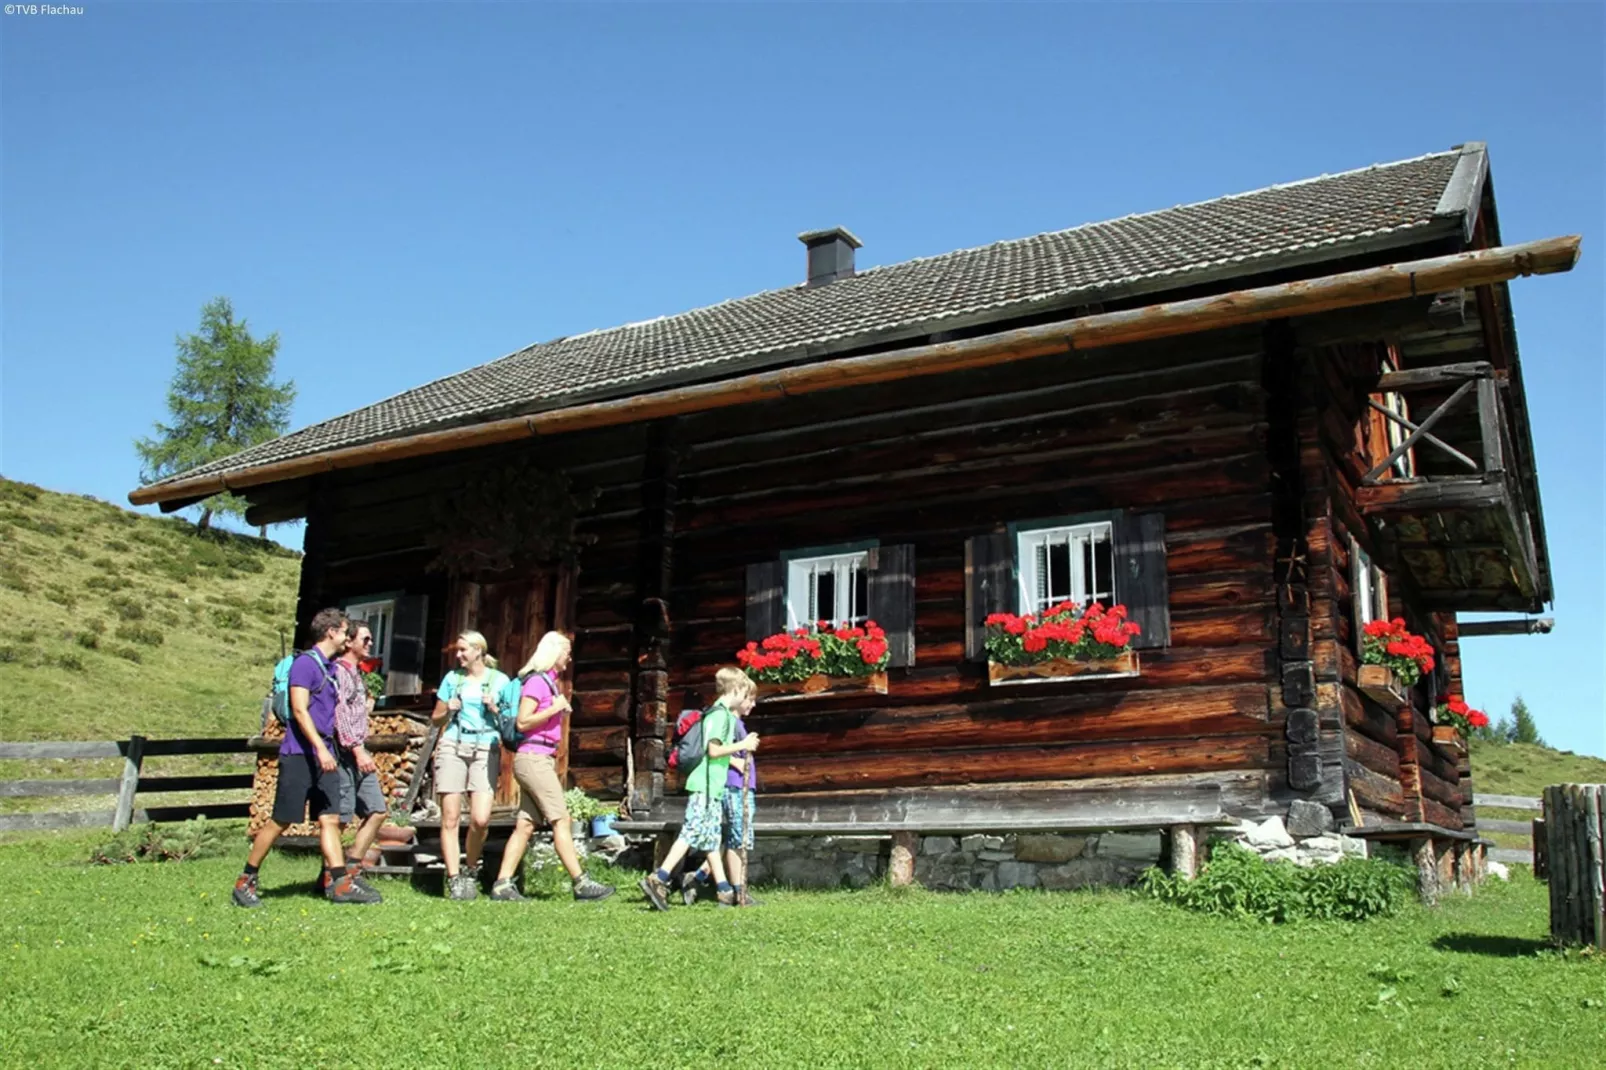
[1058, 587]
[825, 596]
[860, 609]
[1101, 568]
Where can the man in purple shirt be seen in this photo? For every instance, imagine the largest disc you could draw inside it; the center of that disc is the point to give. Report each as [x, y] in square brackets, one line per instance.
[309, 777]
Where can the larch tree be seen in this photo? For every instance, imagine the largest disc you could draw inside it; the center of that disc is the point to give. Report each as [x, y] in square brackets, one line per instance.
[222, 399]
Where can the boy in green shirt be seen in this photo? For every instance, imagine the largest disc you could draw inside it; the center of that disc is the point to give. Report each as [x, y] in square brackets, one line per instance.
[703, 829]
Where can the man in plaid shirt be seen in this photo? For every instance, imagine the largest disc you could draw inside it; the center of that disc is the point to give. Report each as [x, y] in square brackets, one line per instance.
[360, 795]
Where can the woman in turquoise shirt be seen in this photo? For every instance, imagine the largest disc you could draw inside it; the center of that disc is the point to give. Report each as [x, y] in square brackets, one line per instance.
[465, 709]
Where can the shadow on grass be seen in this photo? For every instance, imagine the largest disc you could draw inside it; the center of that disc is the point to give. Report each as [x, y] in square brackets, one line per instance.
[1502, 947]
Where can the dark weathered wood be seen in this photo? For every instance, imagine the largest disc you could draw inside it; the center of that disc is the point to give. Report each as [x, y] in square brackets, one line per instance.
[24, 789]
[1521, 626]
[766, 599]
[1140, 563]
[210, 811]
[989, 586]
[1437, 375]
[420, 766]
[155, 748]
[210, 782]
[891, 592]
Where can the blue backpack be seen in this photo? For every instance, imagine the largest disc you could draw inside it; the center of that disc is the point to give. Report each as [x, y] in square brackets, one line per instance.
[508, 700]
[278, 700]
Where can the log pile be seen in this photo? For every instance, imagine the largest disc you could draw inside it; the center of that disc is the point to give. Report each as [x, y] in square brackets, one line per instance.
[397, 766]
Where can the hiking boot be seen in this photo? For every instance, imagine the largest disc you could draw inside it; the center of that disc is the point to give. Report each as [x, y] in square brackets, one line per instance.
[744, 899]
[656, 891]
[461, 887]
[347, 890]
[689, 887]
[505, 892]
[726, 899]
[245, 891]
[588, 890]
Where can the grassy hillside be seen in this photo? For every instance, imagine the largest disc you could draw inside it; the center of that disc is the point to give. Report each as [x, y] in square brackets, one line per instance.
[1525, 769]
[113, 623]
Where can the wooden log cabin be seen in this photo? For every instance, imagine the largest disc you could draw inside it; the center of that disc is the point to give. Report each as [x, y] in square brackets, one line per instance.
[1259, 422]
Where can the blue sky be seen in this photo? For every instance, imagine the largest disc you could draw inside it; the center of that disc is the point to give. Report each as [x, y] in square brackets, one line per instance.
[405, 191]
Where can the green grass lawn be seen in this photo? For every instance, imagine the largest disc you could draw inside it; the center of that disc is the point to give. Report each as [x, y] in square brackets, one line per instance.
[149, 965]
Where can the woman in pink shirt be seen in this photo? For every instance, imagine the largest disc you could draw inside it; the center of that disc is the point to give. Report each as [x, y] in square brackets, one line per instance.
[541, 709]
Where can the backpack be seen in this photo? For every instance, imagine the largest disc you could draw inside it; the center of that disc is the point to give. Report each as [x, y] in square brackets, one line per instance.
[508, 700]
[503, 720]
[689, 747]
[278, 700]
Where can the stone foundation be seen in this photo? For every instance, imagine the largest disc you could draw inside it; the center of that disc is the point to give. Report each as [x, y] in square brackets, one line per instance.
[1307, 838]
[959, 863]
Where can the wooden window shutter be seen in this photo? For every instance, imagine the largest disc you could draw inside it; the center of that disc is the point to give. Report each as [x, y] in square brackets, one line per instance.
[989, 587]
[766, 599]
[404, 674]
[1140, 577]
[892, 600]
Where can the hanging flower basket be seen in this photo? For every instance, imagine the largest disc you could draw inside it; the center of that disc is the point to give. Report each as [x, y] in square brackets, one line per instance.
[1393, 660]
[1066, 642]
[824, 660]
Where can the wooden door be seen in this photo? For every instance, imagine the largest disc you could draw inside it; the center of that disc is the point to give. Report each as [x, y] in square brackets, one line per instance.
[513, 614]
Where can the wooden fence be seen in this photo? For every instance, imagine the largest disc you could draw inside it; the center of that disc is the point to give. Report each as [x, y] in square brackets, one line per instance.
[1522, 855]
[127, 787]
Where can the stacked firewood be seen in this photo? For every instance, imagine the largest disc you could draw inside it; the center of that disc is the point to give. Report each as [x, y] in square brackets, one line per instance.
[396, 767]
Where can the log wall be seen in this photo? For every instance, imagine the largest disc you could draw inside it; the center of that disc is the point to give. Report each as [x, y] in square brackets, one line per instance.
[1391, 764]
[1178, 428]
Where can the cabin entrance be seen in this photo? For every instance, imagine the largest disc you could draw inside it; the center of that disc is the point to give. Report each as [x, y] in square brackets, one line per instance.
[513, 614]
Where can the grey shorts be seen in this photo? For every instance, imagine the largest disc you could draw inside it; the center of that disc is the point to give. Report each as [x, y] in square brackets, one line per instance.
[359, 791]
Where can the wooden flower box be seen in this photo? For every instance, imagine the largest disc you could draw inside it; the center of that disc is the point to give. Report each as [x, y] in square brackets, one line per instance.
[1450, 738]
[1044, 672]
[820, 684]
[1377, 682]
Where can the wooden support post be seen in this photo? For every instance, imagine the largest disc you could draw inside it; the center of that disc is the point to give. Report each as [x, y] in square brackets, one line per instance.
[901, 868]
[1575, 817]
[1427, 870]
[133, 758]
[1185, 851]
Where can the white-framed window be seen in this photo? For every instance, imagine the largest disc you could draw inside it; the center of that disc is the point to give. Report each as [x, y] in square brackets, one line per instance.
[380, 613]
[830, 587]
[1395, 433]
[1073, 563]
[1371, 590]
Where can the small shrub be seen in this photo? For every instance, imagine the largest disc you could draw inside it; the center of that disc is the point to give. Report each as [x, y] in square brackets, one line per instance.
[142, 634]
[61, 596]
[107, 583]
[127, 653]
[10, 654]
[127, 608]
[42, 524]
[162, 843]
[12, 491]
[71, 661]
[105, 563]
[228, 618]
[1239, 883]
[12, 576]
[119, 546]
[72, 549]
[174, 568]
[87, 640]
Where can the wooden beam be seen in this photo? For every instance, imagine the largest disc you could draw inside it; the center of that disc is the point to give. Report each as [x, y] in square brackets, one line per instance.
[1438, 375]
[1510, 626]
[1258, 305]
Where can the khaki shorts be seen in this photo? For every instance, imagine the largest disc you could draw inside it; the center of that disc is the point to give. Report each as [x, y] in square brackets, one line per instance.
[540, 792]
[461, 766]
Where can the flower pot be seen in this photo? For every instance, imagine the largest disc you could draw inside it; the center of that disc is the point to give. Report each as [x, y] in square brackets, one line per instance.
[820, 684]
[395, 834]
[577, 830]
[1062, 669]
[1379, 684]
[602, 825]
[373, 857]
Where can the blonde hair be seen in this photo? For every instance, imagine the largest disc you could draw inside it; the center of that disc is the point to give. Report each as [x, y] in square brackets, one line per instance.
[476, 640]
[553, 645]
[734, 685]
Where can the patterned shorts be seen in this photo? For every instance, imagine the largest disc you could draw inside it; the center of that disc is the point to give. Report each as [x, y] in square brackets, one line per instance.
[703, 824]
[737, 809]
